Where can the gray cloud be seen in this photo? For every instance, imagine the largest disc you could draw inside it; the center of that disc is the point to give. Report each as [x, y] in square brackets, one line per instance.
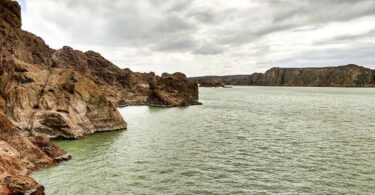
[207, 32]
[203, 16]
[208, 49]
[348, 38]
[333, 57]
[177, 43]
[321, 11]
[286, 15]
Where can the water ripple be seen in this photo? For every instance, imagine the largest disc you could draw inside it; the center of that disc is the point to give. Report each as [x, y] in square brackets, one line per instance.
[243, 140]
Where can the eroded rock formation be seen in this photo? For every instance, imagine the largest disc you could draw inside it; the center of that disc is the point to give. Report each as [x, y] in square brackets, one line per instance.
[125, 87]
[340, 76]
[42, 99]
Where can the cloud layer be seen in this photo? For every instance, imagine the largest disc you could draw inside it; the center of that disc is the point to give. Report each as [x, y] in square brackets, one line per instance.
[211, 36]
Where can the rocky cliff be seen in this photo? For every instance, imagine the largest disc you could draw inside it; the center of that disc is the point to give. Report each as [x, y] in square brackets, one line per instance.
[340, 76]
[68, 93]
[43, 99]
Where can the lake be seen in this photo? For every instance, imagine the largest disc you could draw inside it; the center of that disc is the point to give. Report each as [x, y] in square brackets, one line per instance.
[242, 140]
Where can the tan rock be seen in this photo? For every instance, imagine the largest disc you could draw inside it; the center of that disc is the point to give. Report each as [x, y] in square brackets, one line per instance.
[124, 87]
[42, 99]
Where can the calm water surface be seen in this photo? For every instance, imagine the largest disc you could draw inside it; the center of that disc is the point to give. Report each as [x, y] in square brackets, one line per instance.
[243, 140]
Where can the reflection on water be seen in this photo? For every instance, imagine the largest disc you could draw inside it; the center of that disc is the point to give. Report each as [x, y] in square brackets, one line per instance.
[243, 140]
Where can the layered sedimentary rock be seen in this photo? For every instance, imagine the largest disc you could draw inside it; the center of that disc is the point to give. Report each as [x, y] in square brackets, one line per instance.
[341, 76]
[69, 93]
[19, 155]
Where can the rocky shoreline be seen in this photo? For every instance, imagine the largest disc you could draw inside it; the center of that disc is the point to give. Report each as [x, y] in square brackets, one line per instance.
[19, 155]
[350, 75]
[47, 93]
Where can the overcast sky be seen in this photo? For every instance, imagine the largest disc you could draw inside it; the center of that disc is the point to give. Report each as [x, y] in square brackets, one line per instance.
[210, 37]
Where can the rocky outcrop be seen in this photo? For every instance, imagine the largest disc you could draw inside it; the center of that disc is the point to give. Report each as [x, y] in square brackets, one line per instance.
[341, 76]
[172, 89]
[124, 87]
[121, 86]
[71, 94]
[19, 155]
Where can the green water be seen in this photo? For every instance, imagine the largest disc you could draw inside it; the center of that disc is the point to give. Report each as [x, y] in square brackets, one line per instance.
[243, 140]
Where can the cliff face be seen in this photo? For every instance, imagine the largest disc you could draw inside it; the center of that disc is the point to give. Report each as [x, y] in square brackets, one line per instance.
[68, 93]
[341, 76]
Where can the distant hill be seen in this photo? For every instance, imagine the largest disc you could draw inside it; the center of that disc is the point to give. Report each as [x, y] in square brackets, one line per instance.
[339, 76]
